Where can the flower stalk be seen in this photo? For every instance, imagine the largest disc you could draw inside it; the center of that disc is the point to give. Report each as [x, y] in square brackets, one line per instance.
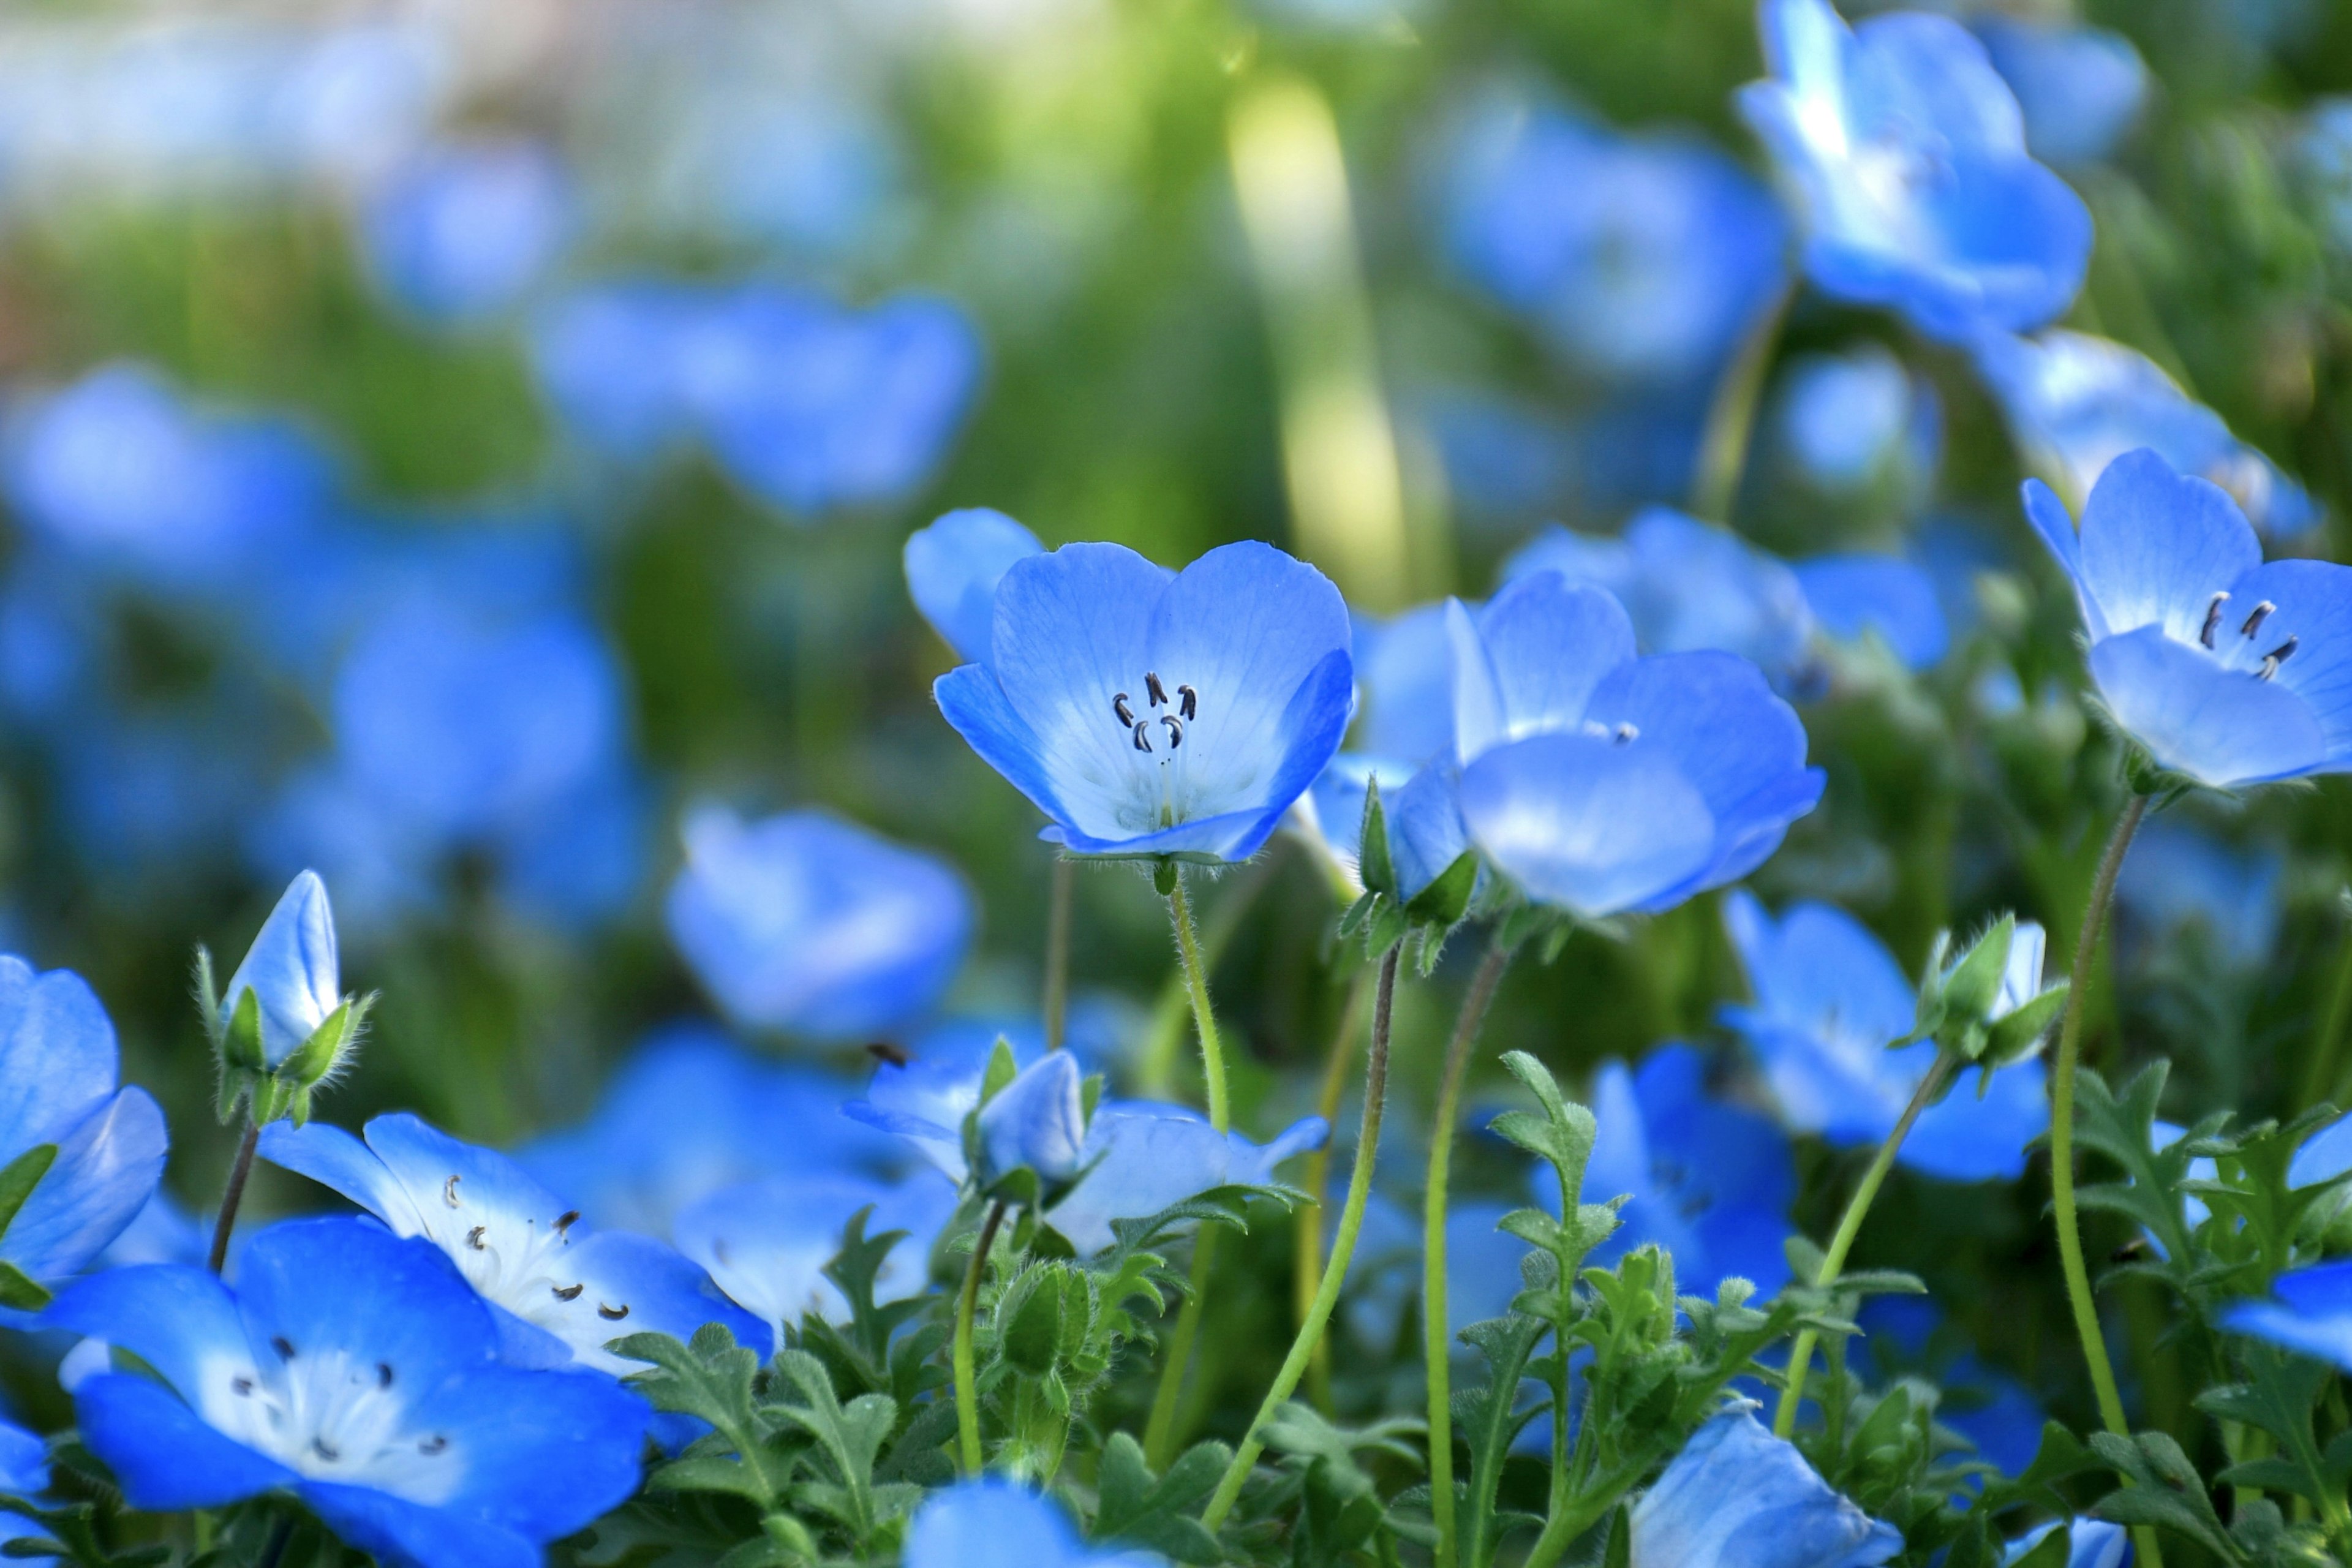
[967, 1390]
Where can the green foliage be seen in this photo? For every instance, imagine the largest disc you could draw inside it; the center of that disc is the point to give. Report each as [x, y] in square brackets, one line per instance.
[1133, 1507]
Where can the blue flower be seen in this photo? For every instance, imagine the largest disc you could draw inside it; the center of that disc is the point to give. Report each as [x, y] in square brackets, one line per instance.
[1405, 665]
[1708, 1180]
[608, 360]
[1854, 594]
[2090, 1544]
[560, 1291]
[1849, 420]
[809, 924]
[291, 968]
[1602, 783]
[1830, 999]
[988, 1523]
[1037, 1122]
[2324, 152]
[2080, 89]
[952, 570]
[1641, 258]
[2309, 1312]
[59, 1073]
[1907, 152]
[2178, 879]
[24, 1461]
[1151, 712]
[2225, 670]
[356, 1370]
[464, 232]
[2076, 403]
[1737, 1497]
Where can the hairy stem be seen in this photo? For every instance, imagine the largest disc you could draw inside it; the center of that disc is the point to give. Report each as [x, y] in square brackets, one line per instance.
[1160, 1431]
[966, 1391]
[1792, 1397]
[1343, 1248]
[1196, 982]
[1306, 1276]
[1437, 1344]
[1057, 950]
[1163, 1045]
[234, 1193]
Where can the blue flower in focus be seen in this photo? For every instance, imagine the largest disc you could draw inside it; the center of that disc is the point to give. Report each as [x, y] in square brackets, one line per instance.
[1856, 593]
[1830, 999]
[1907, 152]
[1151, 712]
[2178, 880]
[291, 968]
[2090, 1544]
[1708, 1180]
[989, 1523]
[814, 926]
[2080, 89]
[560, 1291]
[1737, 1497]
[2225, 670]
[1641, 258]
[466, 232]
[767, 1243]
[952, 569]
[58, 1086]
[2309, 1311]
[1687, 584]
[356, 1370]
[1850, 420]
[2076, 403]
[1602, 783]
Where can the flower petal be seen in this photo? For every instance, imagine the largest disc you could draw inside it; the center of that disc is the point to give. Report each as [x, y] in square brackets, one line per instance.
[2221, 726]
[178, 1318]
[1548, 644]
[164, 1456]
[1586, 824]
[105, 1170]
[2157, 546]
[952, 569]
[412, 1535]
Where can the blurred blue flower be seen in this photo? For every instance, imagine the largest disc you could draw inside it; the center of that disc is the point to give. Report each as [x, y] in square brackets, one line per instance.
[2076, 403]
[24, 1462]
[2309, 1312]
[1603, 783]
[1143, 1156]
[2178, 879]
[1036, 1122]
[746, 156]
[466, 230]
[767, 1243]
[291, 968]
[1641, 258]
[1708, 1180]
[1982, 1403]
[1482, 1269]
[1848, 420]
[1687, 584]
[559, 1289]
[1851, 594]
[357, 1370]
[59, 1069]
[1907, 152]
[1151, 712]
[1737, 1497]
[607, 358]
[990, 1523]
[2080, 89]
[1404, 665]
[952, 569]
[812, 925]
[925, 1098]
[2090, 1544]
[2226, 670]
[1510, 460]
[1830, 999]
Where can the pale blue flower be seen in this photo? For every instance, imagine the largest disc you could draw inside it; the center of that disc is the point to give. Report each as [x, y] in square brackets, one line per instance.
[767, 1243]
[24, 1464]
[1036, 1122]
[1404, 664]
[291, 968]
[1737, 1497]
[1907, 152]
[2309, 1311]
[1857, 592]
[2225, 670]
[991, 1523]
[608, 359]
[466, 230]
[952, 569]
[1151, 712]
[2080, 89]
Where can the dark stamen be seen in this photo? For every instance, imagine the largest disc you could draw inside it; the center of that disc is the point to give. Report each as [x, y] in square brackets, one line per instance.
[612, 1314]
[2254, 621]
[242, 1386]
[1191, 700]
[1143, 735]
[1175, 729]
[433, 1444]
[1120, 706]
[283, 1346]
[884, 1051]
[566, 1220]
[474, 1237]
[2276, 657]
[1153, 689]
[568, 1292]
[1627, 732]
[449, 1192]
[319, 1446]
[2212, 618]
[384, 1374]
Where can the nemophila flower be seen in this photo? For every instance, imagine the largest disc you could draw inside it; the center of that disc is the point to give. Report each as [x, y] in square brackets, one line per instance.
[354, 1369]
[2090, 1544]
[952, 569]
[291, 970]
[1037, 1122]
[1404, 667]
[1737, 1497]
[1641, 258]
[988, 1523]
[1857, 593]
[608, 360]
[806, 923]
[1846, 421]
[1687, 584]
[1143, 1156]
[2080, 89]
[2309, 1311]
[1907, 152]
[24, 1461]
[59, 1069]
[767, 1243]
[2225, 670]
[1151, 712]
[466, 231]
[1708, 1180]
[1830, 999]
[560, 1289]
[1510, 459]
[1603, 783]
[2076, 403]
[2181, 883]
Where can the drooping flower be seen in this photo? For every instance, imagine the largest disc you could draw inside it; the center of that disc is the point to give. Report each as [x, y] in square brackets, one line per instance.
[989, 1523]
[1602, 783]
[2080, 89]
[2309, 1311]
[466, 231]
[1906, 153]
[60, 1071]
[291, 970]
[815, 926]
[952, 569]
[1737, 1497]
[355, 1369]
[2225, 670]
[560, 1290]
[1708, 1180]
[1830, 999]
[1151, 712]
[2075, 403]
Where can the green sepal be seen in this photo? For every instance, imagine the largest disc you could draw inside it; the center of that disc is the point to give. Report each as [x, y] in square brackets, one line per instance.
[229, 1093]
[20, 1289]
[1975, 981]
[1003, 1068]
[1374, 866]
[241, 1043]
[2019, 1034]
[20, 1176]
[313, 1061]
[1447, 899]
[1164, 875]
[207, 989]
[1090, 1093]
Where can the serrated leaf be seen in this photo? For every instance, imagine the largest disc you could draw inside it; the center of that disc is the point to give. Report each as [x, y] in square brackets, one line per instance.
[1156, 1514]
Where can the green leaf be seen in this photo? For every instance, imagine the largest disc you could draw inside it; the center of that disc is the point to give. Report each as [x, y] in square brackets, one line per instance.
[711, 1378]
[19, 1177]
[1157, 1514]
[20, 1289]
[848, 1437]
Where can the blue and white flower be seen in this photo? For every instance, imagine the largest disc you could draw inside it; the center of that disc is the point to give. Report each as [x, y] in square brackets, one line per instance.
[466, 231]
[291, 970]
[1737, 1497]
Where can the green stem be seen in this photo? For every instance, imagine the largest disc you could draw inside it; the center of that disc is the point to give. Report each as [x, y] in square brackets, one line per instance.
[967, 1389]
[1731, 416]
[1793, 1396]
[233, 1195]
[1057, 950]
[1343, 1248]
[2328, 1039]
[1315, 1181]
[2061, 1151]
[1160, 1431]
[1156, 1077]
[1437, 1344]
[1196, 982]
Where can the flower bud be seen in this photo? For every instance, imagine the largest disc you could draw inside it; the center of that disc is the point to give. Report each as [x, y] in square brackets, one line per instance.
[291, 970]
[1037, 1122]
